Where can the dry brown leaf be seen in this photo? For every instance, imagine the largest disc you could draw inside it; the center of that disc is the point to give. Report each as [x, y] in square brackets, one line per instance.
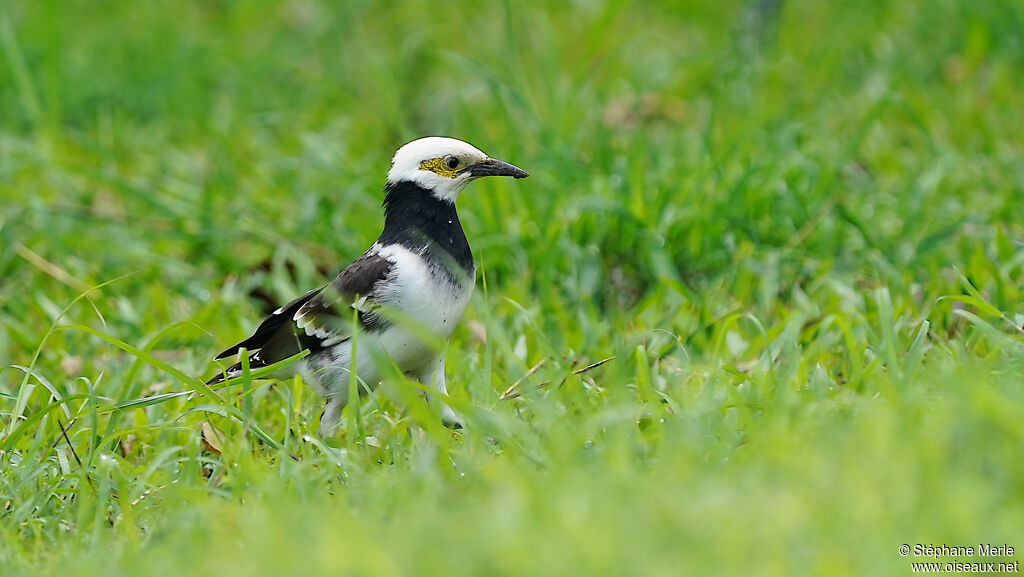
[478, 330]
[126, 445]
[213, 440]
[71, 365]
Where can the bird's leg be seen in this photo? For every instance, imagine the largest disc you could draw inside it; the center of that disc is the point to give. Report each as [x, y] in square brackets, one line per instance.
[331, 416]
[433, 376]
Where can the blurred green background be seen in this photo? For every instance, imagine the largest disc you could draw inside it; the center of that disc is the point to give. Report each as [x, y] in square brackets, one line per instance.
[795, 224]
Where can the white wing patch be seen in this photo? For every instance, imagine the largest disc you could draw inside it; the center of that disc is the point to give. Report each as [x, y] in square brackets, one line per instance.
[305, 322]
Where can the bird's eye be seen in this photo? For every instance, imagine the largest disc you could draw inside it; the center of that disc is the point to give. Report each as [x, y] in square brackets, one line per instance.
[451, 162]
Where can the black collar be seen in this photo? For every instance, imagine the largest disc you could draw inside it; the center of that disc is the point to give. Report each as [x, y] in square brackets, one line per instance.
[414, 218]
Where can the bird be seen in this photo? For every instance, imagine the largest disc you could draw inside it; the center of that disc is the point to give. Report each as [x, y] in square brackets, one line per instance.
[418, 276]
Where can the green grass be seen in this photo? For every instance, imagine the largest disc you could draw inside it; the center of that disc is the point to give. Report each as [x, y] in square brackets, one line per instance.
[798, 231]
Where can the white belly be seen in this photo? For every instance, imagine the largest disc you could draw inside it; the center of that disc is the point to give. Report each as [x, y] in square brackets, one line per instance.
[424, 299]
[423, 304]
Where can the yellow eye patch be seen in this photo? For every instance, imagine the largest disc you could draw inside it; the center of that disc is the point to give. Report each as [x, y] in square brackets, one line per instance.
[437, 165]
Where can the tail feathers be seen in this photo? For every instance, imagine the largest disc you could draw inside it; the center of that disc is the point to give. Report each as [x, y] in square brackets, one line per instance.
[222, 376]
[235, 370]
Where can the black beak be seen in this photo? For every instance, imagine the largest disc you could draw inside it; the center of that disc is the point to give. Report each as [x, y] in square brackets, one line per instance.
[494, 167]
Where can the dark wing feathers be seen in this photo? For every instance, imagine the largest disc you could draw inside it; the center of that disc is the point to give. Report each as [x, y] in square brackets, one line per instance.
[331, 309]
[270, 325]
[361, 276]
[318, 318]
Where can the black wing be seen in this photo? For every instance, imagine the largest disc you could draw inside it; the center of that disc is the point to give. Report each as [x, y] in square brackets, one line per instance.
[328, 314]
[320, 318]
[270, 325]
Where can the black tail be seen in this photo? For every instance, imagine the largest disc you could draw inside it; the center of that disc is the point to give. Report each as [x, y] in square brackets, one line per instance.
[230, 373]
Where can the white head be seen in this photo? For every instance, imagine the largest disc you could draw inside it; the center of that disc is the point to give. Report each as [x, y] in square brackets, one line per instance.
[444, 166]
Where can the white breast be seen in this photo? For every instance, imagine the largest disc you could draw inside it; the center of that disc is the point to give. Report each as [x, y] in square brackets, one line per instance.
[426, 294]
